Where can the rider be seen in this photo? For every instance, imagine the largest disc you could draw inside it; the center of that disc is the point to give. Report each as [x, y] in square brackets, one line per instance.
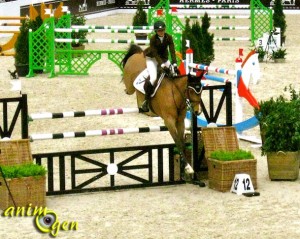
[157, 56]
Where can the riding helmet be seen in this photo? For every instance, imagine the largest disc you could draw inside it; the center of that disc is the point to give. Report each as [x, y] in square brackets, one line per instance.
[159, 25]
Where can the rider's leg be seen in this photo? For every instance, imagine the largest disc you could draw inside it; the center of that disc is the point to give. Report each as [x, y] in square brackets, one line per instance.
[149, 82]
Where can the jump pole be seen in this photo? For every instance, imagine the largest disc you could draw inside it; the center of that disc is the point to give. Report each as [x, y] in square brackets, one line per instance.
[103, 132]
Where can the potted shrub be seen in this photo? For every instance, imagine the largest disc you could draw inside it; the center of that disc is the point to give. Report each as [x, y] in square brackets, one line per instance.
[140, 19]
[261, 53]
[22, 49]
[22, 45]
[26, 183]
[78, 20]
[280, 129]
[278, 55]
[224, 165]
[279, 19]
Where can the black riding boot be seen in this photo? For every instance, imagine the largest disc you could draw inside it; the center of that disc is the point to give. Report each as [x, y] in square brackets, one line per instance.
[148, 87]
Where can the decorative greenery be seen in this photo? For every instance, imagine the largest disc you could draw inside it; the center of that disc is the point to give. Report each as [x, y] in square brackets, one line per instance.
[24, 170]
[278, 54]
[78, 20]
[231, 155]
[279, 19]
[279, 122]
[140, 17]
[261, 52]
[201, 41]
[22, 44]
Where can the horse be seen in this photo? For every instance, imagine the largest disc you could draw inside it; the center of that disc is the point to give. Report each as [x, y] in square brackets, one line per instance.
[170, 100]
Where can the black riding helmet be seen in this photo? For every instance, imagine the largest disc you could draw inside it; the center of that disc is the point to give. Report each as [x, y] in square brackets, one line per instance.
[159, 25]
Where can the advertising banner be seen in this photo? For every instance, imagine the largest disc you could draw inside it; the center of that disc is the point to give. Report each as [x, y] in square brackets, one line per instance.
[95, 6]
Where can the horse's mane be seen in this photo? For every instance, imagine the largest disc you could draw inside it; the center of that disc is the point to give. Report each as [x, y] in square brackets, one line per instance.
[133, 49]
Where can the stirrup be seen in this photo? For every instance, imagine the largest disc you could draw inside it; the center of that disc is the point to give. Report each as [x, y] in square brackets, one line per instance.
[145, 106]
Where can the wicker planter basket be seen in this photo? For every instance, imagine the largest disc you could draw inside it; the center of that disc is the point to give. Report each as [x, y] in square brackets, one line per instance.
[24, 190]
[15, 152]
[219, 138]
[221, 173]
[283, 165]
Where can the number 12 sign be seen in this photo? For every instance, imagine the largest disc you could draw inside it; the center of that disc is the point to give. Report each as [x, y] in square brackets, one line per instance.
[242, 184]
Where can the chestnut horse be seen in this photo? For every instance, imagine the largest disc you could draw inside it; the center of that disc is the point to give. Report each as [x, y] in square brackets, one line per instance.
[170, 100]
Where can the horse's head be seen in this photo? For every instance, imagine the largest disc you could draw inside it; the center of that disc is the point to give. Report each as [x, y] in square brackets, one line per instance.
[193, 92]
[250, 68]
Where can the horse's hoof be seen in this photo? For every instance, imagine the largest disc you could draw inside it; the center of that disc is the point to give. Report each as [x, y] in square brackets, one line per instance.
[188, 169]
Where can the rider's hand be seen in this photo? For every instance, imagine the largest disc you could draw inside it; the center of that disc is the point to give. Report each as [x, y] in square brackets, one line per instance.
[165, 69]
[176, 69]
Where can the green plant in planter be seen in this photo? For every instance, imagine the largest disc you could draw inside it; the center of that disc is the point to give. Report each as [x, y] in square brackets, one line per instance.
[279, 121]
[140, 17]
[23, 170]
[78, 20]
[22, 44]
[279, 19]
[261, 53]
[231, 155]
[278, 54]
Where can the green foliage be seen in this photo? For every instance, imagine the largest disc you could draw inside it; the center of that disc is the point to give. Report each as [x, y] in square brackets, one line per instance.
[201, 41]
[24, 170]
[231, 155]
[78, 20]
[22, 43]
[188, 35]
[261, 52]
[279, 18]
[208, 41]
[279, 54]
[140, 17]
[279, 121]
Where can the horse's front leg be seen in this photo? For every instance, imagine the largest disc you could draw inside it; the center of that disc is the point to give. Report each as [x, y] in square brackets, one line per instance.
[180, 129]
[177, 134]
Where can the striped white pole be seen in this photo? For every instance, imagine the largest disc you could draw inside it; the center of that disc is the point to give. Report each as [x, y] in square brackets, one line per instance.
[70, 114]
[232, 39]
[70, 30]
[104, 132]
[113, 27]
[101, 40]
[212, 68]
[229, 28]
[214, 16]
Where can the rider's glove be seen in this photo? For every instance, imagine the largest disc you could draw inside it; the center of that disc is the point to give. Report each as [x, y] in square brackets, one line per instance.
[176, 69]
[165, 68]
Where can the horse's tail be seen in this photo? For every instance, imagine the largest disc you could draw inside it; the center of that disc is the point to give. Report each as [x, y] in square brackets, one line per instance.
[133, 49]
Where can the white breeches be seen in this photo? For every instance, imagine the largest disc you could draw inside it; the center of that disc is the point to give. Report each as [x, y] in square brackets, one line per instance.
[152, 68]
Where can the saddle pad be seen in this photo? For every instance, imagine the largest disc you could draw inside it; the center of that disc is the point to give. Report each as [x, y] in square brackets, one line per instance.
[140, 81]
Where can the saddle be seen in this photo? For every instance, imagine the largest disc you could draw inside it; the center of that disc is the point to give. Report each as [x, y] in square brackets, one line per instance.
[139, 82]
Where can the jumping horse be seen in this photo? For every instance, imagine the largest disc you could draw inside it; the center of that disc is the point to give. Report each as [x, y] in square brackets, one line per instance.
[171, 98]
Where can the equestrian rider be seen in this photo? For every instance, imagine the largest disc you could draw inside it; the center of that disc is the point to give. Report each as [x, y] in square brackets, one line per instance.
[157, 56]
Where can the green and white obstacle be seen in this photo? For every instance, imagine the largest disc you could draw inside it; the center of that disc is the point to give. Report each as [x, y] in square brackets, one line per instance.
[51, 51]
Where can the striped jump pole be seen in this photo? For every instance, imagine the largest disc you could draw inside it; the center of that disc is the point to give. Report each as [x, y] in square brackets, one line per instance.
[73, 114]
[104, 132]
[214, 16]
[232, 39]
[101, 40]
[116, 27]
[212, 68]
[70, 30]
